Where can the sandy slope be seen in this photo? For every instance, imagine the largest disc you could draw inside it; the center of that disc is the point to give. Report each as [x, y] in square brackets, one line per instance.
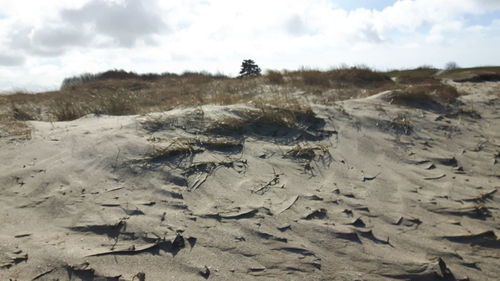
[383, 193]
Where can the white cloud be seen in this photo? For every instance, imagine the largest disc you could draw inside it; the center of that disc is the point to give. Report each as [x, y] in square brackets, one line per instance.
[71, 37]
[11, 59]
[439, 32]
[125, 22]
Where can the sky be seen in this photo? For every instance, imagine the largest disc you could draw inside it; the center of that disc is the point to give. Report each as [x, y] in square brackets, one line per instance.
[42, 42]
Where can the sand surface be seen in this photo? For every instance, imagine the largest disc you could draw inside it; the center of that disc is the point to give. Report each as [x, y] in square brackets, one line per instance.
[370, 191]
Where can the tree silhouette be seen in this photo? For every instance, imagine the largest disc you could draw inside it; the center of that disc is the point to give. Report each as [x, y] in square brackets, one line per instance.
[249, 69]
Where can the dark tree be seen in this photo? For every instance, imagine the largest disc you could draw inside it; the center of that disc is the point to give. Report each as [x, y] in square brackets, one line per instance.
[249, 69]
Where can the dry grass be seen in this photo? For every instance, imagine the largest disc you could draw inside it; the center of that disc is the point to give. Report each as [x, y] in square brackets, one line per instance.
[429, 74]
[308, 155]
[401, 124]
[307, 152]
[219, 144]
[464, 73]
[180, 149]
[431, 96]
[14, 130]
[478, 78]
[350, 77]
[412, 80]
[419, 72]
[116, 74]
[289, 122]
[274, 77]
[66, 110]
[290, 115]
[265, 119]
[360, 77]
[21, 113]
[315, 78]
[124, 97]
[140, 94]
[176, 149]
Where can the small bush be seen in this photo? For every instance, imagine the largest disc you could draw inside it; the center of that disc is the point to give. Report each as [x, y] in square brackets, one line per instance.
[442, 93]
[115, 104]
[21, 113]
[64, 110]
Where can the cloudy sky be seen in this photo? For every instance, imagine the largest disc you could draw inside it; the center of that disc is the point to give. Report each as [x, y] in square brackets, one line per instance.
[41, 42]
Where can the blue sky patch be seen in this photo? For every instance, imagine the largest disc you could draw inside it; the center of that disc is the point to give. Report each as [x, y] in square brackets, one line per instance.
[483, 19]
[367, 4]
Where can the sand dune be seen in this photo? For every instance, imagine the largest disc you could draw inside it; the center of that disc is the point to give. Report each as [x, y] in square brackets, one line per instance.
[362, 190]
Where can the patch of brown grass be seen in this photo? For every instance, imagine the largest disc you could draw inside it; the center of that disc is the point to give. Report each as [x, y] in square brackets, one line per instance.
[136, 95]
[315, 78]
[22, 112]
[412, 80]
[307, 152]
[219, 144]
[419, 72]
[441, 93]
[177, 148]
[15, 130]
[287, 123]
[401, 124]
[342, 79]
[287, 116]
[211, 143]
[274, 77]
[66, 110]
[465, 73]
[432, 97]
[359, 77]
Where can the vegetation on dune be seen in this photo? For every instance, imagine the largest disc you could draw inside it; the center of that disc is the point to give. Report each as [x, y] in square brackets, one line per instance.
[422, 74]
[119, 74]
[275, 77]
[118, 92]
[435, 97]
[358, 77]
